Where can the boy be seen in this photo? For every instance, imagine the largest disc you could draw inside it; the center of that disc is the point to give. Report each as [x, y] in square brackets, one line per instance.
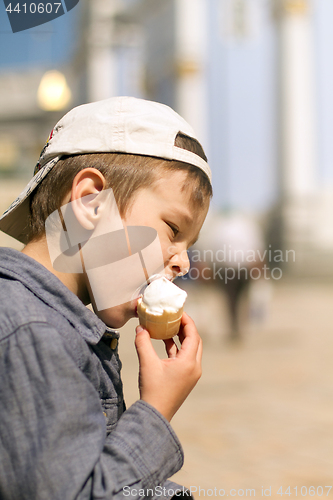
[64, 433]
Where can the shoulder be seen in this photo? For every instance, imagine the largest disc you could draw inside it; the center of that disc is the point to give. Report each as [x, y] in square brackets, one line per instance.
[18, 307]
[34, 334]
[23, 313]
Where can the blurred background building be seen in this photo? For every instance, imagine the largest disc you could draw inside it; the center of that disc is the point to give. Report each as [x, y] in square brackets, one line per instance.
[253, 77]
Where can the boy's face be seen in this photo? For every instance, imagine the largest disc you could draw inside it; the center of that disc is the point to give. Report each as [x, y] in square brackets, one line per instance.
[165, 207]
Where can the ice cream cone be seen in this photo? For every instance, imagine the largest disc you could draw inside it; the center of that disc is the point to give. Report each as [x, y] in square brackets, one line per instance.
[159, 326]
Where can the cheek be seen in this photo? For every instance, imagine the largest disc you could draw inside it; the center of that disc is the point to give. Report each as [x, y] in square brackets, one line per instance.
[167, 247]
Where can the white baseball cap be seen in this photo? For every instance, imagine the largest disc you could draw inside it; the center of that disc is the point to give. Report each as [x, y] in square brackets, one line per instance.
[115, 125]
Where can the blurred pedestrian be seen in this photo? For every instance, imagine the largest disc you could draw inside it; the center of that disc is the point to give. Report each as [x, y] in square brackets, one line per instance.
[232, 247]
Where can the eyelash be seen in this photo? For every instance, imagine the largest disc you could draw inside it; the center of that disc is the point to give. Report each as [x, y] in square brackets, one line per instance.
[174, 229]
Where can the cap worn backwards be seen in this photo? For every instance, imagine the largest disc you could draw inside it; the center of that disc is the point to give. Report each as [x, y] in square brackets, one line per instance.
[115, 125]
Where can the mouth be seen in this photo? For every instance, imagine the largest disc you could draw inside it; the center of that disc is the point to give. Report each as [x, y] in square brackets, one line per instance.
[139, 292]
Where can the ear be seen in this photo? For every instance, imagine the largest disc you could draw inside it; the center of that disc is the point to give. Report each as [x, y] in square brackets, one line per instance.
[87, 185]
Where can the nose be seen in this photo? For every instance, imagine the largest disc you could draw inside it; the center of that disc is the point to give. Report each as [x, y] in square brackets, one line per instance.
[179, 263]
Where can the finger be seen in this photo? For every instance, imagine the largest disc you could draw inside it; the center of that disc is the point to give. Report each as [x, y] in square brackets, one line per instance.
[199, 352]
[190, 340]
[185, 322]
[144, 347]
[171, 348]
[186, 319]
[187, 328]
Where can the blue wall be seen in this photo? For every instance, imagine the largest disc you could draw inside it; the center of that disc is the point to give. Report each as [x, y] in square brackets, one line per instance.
[242, 100]
[323, 33]
[49, 45]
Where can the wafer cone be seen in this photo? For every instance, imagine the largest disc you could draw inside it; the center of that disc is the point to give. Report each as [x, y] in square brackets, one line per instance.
[159, 326]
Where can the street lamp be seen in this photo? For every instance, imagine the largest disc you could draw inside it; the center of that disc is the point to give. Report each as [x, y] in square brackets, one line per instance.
[53, 93]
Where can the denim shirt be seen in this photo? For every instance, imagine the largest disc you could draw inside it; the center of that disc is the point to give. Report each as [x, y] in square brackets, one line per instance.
[64, 433]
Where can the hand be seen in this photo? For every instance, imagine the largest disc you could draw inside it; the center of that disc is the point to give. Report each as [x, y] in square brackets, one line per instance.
[166, 383]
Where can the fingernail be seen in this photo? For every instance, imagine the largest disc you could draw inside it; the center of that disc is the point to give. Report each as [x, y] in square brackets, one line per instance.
[139, 329]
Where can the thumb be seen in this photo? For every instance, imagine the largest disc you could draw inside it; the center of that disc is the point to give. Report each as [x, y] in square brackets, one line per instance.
[144, 346]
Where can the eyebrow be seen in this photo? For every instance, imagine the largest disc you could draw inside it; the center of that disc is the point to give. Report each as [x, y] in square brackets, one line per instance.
[183, 215]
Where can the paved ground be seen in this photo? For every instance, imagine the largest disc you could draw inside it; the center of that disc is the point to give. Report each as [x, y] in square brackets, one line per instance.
[262, 414]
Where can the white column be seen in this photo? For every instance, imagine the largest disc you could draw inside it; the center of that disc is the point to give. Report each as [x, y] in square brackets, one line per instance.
[297, 111]
[191, 43]
[102, 66]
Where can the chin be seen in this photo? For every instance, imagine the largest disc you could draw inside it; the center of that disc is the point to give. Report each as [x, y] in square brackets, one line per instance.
[116, 317]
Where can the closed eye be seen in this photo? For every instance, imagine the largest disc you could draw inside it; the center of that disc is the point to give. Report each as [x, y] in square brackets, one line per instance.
[173, 228]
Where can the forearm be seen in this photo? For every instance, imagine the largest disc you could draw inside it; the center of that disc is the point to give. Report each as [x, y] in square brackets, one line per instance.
[140, 454]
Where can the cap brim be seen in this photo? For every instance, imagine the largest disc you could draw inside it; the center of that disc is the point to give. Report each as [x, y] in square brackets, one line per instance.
[15, 220]
[16, 223]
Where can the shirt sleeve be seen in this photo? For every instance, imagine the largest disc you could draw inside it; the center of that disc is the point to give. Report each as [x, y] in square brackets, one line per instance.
[53, 440]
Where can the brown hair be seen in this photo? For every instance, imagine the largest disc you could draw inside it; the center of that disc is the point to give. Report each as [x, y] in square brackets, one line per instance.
[124, 174]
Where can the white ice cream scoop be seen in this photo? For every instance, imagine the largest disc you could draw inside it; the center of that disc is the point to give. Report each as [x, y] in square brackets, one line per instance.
[161, 308]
